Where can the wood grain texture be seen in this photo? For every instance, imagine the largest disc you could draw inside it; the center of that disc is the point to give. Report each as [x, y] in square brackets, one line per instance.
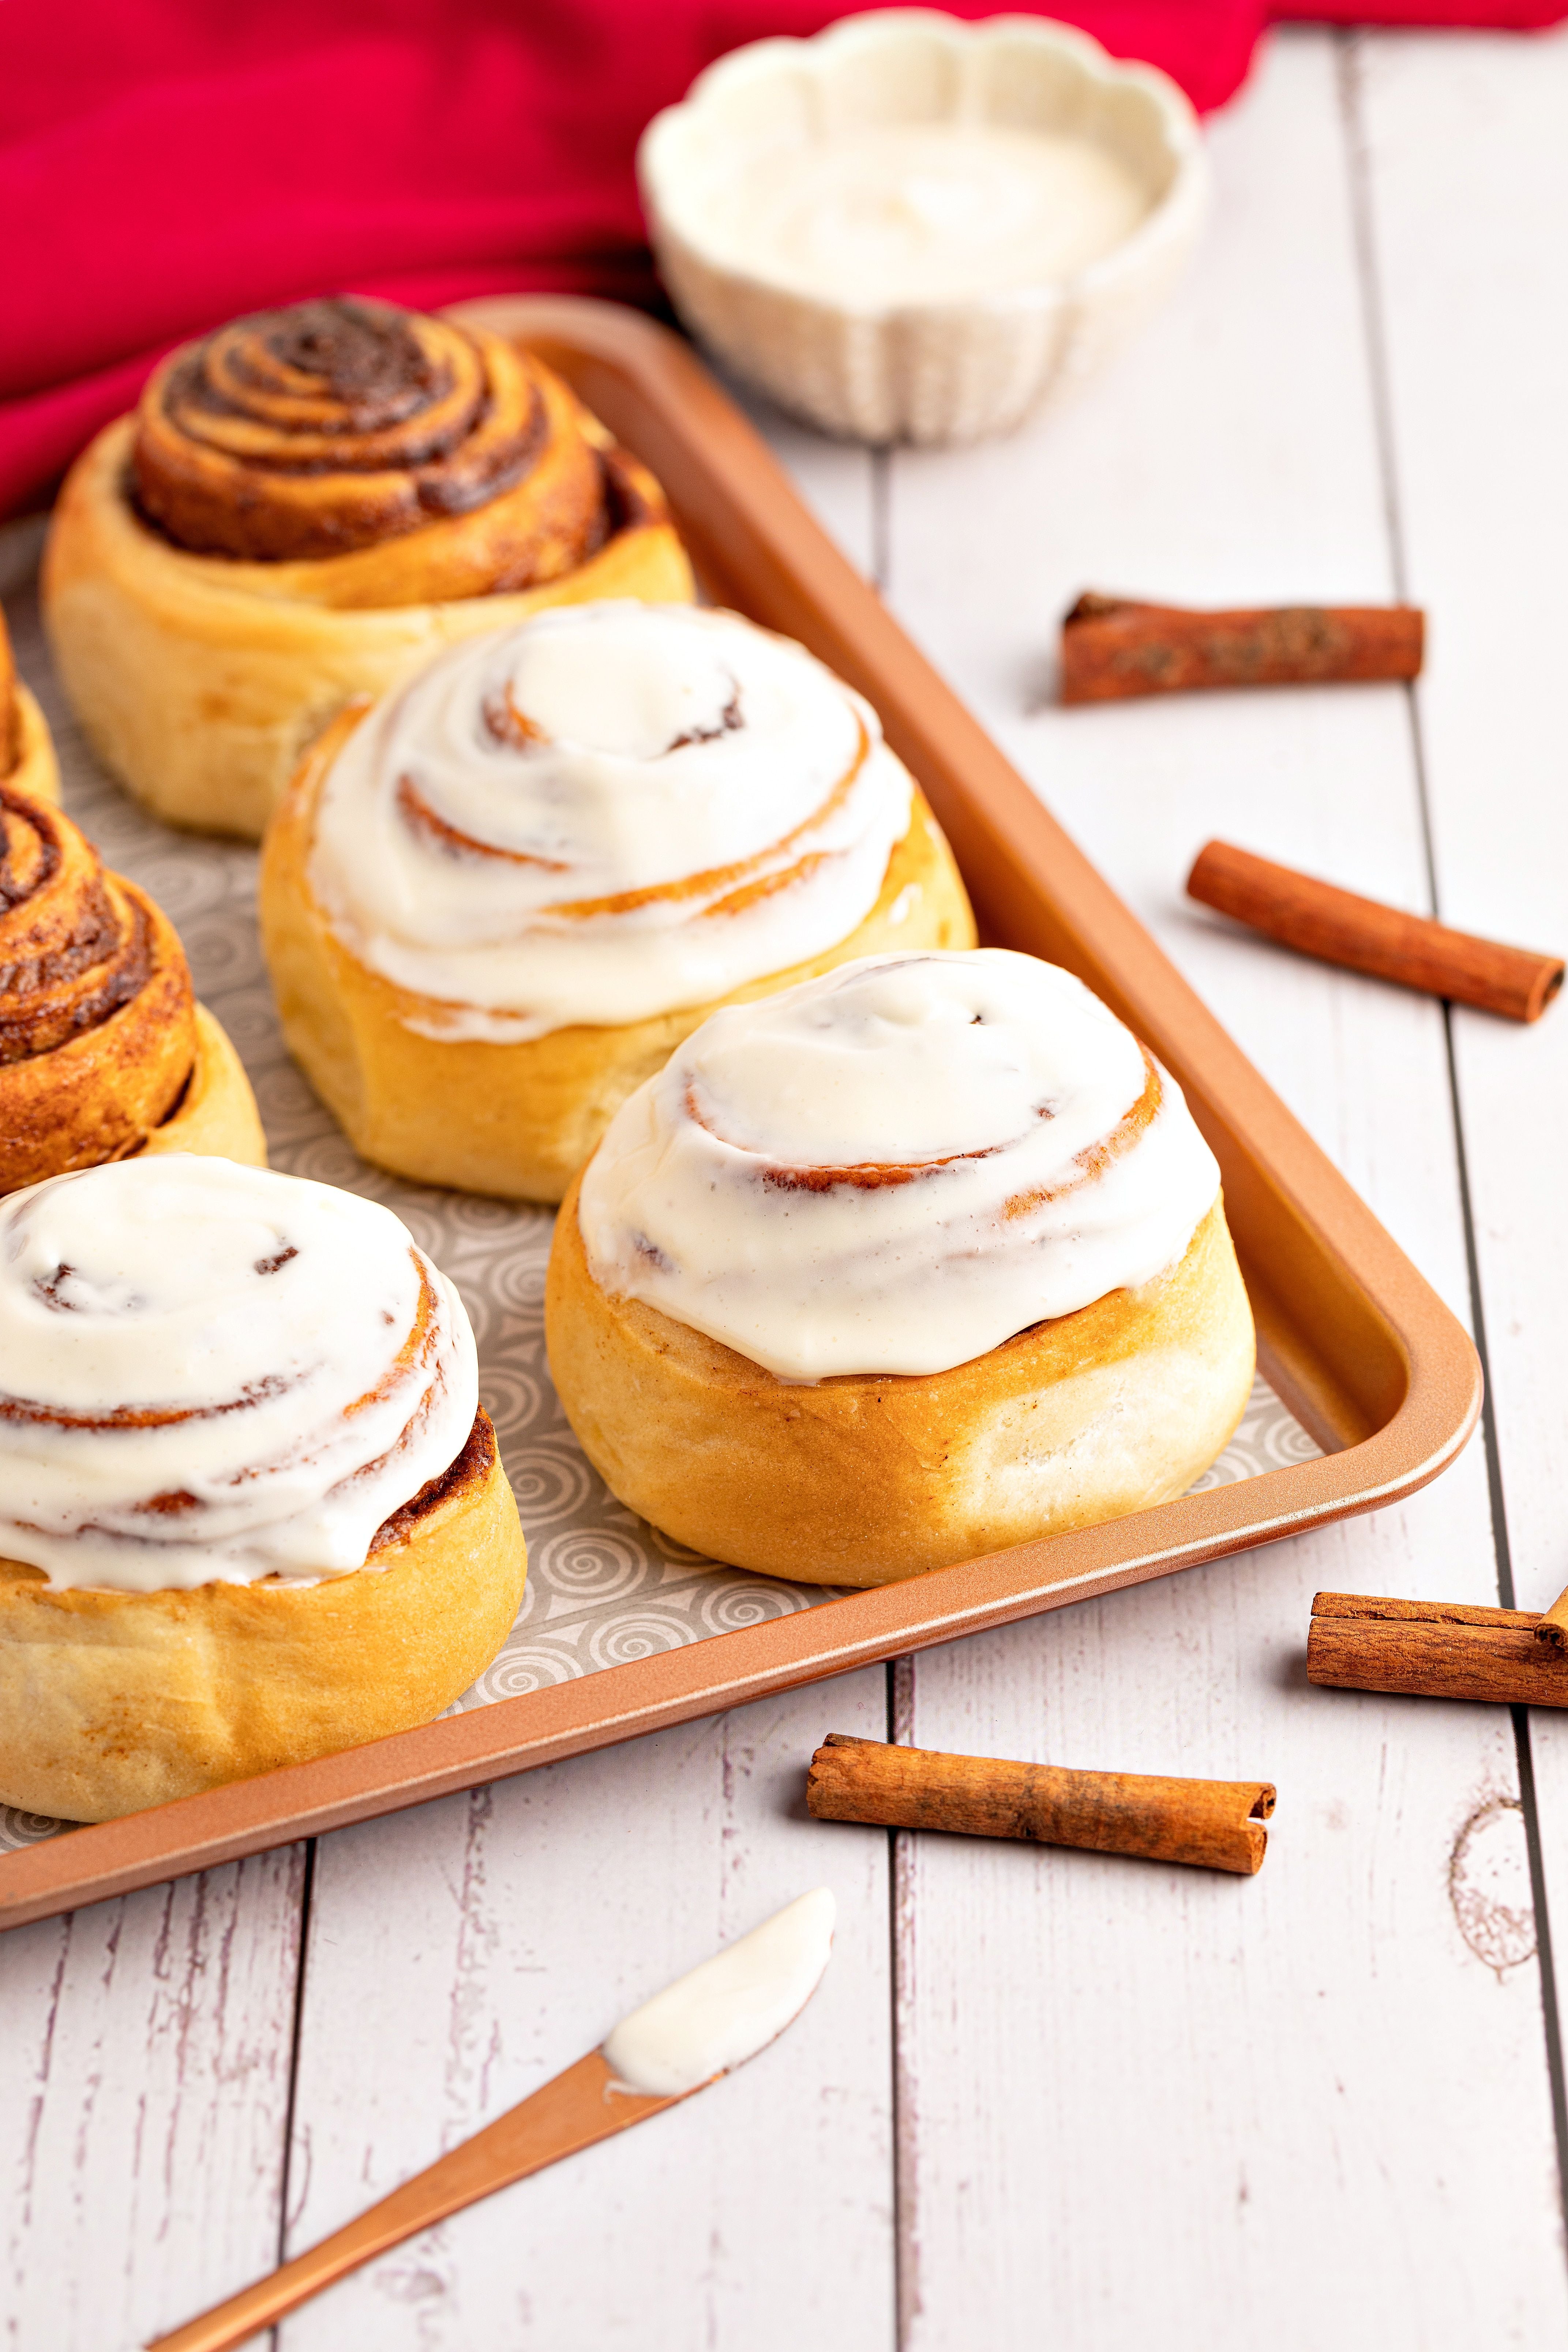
[571, 2113]
[462, 1954]
[1212, 1825]
[1475, 419]
[1244, 2070]
[1341, 927]
[143, 2090]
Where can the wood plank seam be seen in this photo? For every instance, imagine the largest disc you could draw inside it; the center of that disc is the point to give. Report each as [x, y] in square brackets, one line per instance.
[1349, 47]
[901, 1672]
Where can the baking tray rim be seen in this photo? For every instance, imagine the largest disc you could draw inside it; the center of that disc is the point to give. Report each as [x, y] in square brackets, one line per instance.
[621, 359]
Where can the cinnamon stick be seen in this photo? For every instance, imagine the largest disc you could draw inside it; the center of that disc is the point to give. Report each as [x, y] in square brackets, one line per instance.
[1553, 1621]
[1434, 1649]
[1214, 1824]
[1363, 934]
[1114, 647]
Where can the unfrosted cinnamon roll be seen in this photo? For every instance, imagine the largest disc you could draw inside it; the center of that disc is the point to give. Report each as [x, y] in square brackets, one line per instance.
[103, 1050]
[27, 750]
[250, 1509]
[305, 506]
[919, 1260]
[492, 905]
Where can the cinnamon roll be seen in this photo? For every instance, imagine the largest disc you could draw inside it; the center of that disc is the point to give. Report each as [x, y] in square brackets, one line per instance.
[921, 1259]
[493, 904]
[250, 1508]
[27, 750]
[305, 507]
[104, 1052]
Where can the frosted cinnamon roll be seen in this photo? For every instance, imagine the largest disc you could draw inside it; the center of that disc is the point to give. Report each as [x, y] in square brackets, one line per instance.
[250, 1508]
[305, 506]
[103, 1050]
[921, 1259]
[494, 903]
[27, 750]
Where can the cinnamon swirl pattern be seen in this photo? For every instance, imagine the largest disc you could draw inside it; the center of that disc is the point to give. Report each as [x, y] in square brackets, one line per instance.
[909, 1263]
[897, 1166]
[98, 1026]
[211, 1374]
[306, 505]
[606, 814]
[312, 432]
[103, 1052]
[493, 904]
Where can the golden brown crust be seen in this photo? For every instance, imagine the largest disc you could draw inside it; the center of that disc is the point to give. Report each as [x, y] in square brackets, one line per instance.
[110, 1701]
[517, 1119]
[216, 1113]
[333, 424]
[27, 752]
[201, 678]
[35, 768]
[868, 1478]
[97, 1020]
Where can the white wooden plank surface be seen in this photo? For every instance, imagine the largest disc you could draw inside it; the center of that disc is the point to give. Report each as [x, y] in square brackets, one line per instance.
[1467, 175]
[144, 2062]
[1155, 2107]
[462, 1955]
[1133, 2105]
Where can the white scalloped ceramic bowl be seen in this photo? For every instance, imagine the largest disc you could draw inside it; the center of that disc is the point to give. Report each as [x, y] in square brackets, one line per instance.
[929, 372]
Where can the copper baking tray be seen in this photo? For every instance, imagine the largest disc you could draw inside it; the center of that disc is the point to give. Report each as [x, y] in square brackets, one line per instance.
[1356, 1344]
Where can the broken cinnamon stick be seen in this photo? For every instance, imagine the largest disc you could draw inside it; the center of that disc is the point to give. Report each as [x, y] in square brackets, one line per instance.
[1214, 1825]
[1434, 1649]
[1338, 927]
[1114, 647]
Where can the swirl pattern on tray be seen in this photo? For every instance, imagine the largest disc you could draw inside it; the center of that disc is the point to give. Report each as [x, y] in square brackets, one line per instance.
[604, 1588]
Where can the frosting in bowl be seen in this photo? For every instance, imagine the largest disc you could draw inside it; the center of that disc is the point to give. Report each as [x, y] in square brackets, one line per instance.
[895, 1167]
[214, 1373]
[881, 215]
[609, 813]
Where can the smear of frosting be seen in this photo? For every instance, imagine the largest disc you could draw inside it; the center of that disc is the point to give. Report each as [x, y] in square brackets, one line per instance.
[895, 1167]
[730, 2007]
[216, 1373]
[611, 812]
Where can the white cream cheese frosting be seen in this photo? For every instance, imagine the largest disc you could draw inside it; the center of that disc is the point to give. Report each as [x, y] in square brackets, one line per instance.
[895, 1167]
[730, 2007]
[211, 1374]
[609, 812]
[882, 215]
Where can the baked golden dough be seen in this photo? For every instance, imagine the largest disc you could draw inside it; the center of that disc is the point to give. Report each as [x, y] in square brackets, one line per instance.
[305, 507]
[867, 1478]
[27, 750]
[513, 1119]
[34, 768]
[103, 1050]
[110, 1701]
[217, 1114]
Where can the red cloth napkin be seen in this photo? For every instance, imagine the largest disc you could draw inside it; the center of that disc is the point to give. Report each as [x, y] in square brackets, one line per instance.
[166, 165]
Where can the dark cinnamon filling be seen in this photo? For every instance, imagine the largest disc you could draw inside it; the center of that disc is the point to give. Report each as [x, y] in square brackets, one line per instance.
[73, 948]
[465, 1476]
[330, 425]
